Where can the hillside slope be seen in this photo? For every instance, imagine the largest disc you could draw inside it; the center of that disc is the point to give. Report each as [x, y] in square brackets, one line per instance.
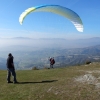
[69, 83]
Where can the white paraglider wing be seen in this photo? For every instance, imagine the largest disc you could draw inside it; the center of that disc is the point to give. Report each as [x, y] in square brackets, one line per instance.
[63, 11]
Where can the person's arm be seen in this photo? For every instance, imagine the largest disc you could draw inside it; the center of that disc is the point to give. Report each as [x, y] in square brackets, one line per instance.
[12, 63]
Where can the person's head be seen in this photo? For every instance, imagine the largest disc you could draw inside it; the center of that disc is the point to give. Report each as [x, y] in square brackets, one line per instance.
[10, 55]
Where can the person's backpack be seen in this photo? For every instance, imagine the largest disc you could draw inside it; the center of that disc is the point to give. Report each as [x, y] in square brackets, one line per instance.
[53, 61]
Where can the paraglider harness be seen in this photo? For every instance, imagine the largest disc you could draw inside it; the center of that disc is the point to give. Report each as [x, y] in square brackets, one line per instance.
[52, 61]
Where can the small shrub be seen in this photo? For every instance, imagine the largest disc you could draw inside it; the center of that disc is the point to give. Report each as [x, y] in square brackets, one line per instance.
[88, 62]
[35, 68]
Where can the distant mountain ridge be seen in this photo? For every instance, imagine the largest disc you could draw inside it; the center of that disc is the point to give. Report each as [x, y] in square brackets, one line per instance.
[63, 57]
[48, 42]
[93, 38]
[21, 38]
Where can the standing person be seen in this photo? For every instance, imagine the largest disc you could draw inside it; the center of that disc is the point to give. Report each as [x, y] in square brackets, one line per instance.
[11, 69]
[52, 62]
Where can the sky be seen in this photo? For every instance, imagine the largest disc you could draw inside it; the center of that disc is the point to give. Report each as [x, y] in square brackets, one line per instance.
[49, 25]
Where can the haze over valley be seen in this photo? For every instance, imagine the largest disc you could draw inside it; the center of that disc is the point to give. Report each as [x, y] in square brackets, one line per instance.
[30, 52]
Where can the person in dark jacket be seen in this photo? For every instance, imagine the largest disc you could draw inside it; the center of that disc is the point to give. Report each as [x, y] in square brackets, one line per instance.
[52, 62]
[11, 69]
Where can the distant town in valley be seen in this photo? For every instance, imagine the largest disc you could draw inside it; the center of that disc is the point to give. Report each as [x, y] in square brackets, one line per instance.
[37, 55]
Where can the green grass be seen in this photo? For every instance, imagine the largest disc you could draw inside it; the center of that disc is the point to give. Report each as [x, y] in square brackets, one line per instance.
[49, 84]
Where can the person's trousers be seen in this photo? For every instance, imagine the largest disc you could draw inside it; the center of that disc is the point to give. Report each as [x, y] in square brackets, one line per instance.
[9, 72]
[51, 66]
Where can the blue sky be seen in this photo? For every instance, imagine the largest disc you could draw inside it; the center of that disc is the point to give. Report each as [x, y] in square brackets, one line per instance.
[48, 25]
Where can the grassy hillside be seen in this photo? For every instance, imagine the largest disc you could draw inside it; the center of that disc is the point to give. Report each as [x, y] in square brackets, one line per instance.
[53, 84]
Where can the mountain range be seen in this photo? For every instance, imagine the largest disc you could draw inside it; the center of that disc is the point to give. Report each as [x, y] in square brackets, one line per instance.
[42, 43]
[27, 59]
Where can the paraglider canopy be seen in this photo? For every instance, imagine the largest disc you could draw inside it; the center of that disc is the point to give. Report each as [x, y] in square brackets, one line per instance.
[63, 11]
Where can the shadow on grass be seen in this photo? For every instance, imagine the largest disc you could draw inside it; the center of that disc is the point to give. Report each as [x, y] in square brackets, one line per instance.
[46, 81]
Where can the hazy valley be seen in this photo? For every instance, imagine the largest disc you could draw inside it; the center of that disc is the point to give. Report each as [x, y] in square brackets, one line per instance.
[30, 53]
